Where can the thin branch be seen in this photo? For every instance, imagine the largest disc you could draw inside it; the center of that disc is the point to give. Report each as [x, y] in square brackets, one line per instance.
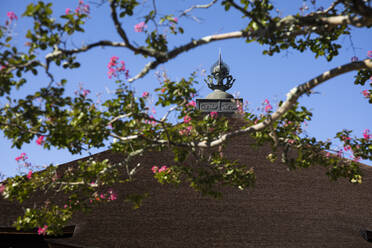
[198, 6]
[165, 117]
[123, 35]
[245, 12]
[125, 139]
[118, 26]
[102, 43]
[331, 7]
[118, 117]
[149, 66]
[192, 44]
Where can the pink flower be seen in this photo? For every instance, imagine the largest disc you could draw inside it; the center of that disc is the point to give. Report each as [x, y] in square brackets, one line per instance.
[2, 188]
[365, 93]
[213, 115]
[347, 148]
[354, 59]
[268, 108]
[175, 19]
[115, 67]
[65, 206]
[163, 168]
[291, 141]
[155, 169]
[186, 119]
[67, 11]
[86, 92]
[113, 196]
[2, 67]
[185, 131]
[191, 104]
[140, 27]
[12, 16]
[266, 101]
[369, 54]
[356, 159]
[366, 134]
[102, 196]
[22, 157]
[145, 94]
[29, 175]
[82, 8]
[121, 67]
[42, 231]
[40, 140]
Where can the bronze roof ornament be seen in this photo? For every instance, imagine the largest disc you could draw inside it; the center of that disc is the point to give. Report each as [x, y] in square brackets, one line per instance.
[220, 73]
[219, 100]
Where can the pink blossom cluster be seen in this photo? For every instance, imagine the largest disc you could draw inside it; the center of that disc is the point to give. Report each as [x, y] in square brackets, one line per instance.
[140, 27]
[268, 106]
[82, 91]
[239, 107]
[112, 196]
[185, 131]
[82, 8]
[369, 54]
[186, 119]
[2, 188]
[114, 66]
[145, 94]
[156, 169]
[11, 17]
[347, 148]
[21, 157]
[191, 104]
[109, 196]
[366, 134]
[213, 115]
[287, 123]
[29, 174]
[40, 140]
[42, 230]
[151, 121]
[366, 93]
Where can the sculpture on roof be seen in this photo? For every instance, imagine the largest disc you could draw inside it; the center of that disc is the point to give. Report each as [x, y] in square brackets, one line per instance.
[220, 73]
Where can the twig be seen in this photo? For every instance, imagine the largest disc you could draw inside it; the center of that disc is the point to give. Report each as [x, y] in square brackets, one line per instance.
[198, 6]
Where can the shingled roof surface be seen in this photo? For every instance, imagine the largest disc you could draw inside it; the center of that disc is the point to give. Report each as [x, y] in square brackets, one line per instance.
[300, 208]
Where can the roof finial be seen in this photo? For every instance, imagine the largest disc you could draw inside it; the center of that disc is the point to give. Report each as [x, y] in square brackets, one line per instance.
[220, 58]
[220, 73]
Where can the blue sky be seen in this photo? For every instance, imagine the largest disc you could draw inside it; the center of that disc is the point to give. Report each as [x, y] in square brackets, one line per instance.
[339, 104]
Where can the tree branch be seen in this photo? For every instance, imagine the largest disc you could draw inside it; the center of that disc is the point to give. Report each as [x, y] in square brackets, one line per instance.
[102, 43]
[198, 6]
[123, 35]
[192, 44]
